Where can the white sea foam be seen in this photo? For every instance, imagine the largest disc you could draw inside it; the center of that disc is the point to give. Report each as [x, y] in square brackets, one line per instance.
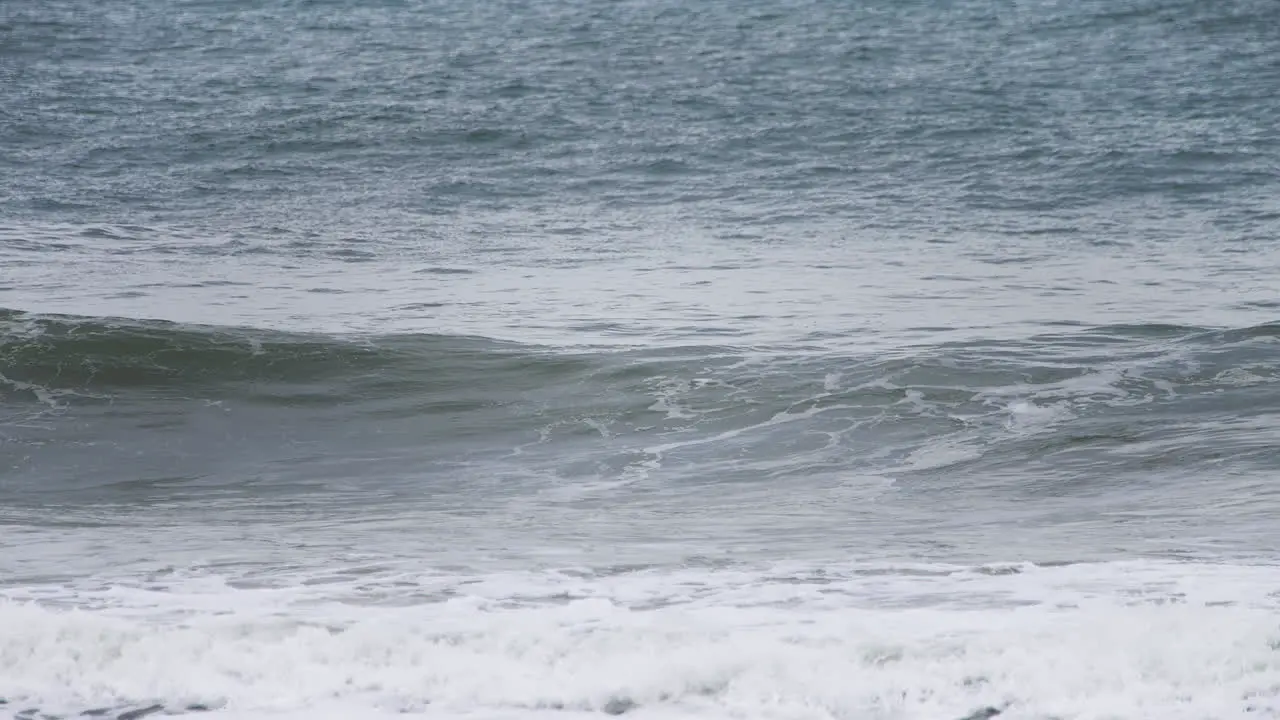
[1135, 640]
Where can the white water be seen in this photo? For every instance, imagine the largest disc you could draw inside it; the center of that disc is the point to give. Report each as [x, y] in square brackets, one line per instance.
[1134, 640]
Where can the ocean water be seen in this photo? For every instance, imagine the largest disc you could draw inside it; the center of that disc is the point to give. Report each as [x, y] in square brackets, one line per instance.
[756, 360]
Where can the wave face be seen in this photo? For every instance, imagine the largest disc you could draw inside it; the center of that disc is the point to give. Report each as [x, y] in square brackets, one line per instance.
[1099, 423]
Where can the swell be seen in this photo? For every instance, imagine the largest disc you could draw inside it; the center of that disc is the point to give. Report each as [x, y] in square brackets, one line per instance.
[89, 357]
[1132, 394]
[109, 355]
[1089, 423]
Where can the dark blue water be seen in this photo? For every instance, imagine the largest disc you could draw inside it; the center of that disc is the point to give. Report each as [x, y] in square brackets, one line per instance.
[317, 121]
[762, 359]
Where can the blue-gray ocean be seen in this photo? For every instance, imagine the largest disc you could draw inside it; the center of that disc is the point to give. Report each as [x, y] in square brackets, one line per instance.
[555, 359]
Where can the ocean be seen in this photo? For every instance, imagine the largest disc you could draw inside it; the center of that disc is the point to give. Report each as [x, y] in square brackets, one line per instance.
[755, 360]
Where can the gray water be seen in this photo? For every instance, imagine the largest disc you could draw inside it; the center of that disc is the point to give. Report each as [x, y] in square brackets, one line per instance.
[824, 330]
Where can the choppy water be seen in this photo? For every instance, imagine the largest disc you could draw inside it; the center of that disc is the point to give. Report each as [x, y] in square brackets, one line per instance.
[775, 359]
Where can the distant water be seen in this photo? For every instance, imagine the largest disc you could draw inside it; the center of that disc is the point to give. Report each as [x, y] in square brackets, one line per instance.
[775, 359]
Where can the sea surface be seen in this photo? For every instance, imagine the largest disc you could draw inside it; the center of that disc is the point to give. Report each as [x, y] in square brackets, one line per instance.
[560, 359]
